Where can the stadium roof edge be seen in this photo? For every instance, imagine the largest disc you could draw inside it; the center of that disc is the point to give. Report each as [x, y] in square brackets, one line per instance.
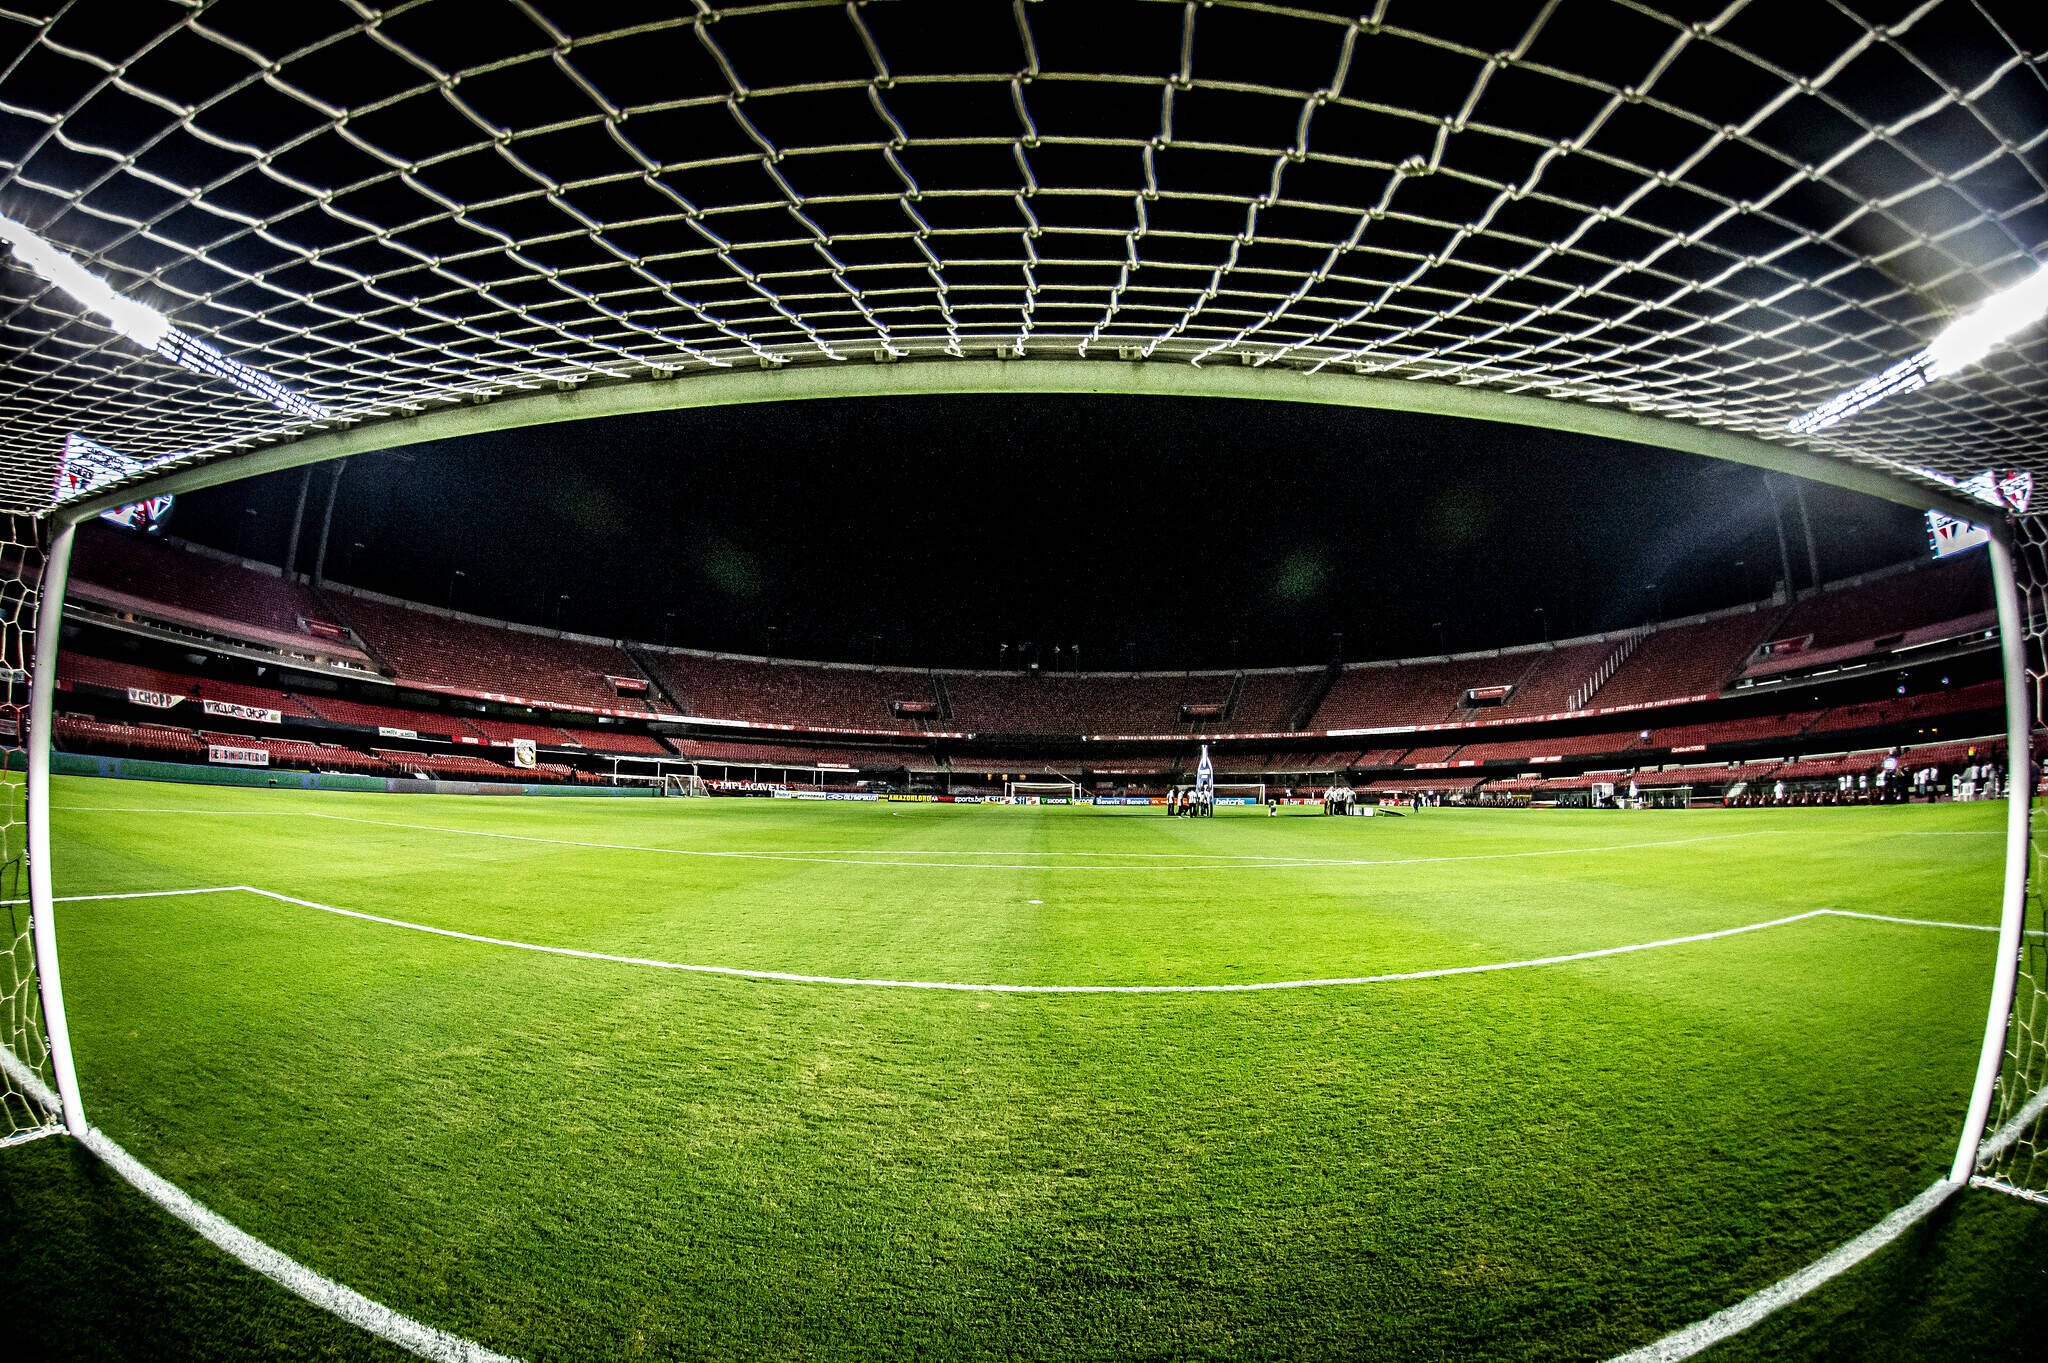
[1050, 376]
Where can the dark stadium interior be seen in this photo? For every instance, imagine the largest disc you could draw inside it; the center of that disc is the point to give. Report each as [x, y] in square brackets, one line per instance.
[693, 592]
[1153, 533]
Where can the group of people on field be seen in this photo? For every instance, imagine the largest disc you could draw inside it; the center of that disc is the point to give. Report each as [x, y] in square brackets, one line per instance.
[1199, 803]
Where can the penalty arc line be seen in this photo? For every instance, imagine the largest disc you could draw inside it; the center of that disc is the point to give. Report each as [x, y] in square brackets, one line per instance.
[338, 1300]
[995, 987]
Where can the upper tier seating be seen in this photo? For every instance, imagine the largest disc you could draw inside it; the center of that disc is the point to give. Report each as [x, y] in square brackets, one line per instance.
[1546, 687]
[1686, 660]
[1931, 595]
[368, 715]
[83, 669]
[618, 741]
[439, 653]
[776, 754]
[1081, 702]
[788, 693]
[198, 591]
[1376, 695]
[1269, 699]
[501, 732]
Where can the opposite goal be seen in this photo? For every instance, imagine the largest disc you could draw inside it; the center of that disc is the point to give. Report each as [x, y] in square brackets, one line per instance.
[675, 783]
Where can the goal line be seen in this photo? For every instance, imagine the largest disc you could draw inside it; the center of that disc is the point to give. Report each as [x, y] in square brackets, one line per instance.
[337, 1299]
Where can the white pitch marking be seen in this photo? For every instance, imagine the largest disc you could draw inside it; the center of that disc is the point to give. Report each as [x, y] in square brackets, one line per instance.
[1733, 1320]
[345, 1303]
[976, 987]
[134, 894]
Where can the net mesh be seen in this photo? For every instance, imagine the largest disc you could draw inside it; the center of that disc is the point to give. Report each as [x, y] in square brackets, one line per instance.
[26, 1070]
[2015, 1152]
[1726, 213]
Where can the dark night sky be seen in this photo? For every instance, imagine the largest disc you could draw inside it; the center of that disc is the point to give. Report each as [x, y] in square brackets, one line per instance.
[1150, 530]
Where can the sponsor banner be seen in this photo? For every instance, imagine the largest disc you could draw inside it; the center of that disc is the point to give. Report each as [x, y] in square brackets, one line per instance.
[385, 731]
[255, 714]
[1132, 800]
[909, 799]
[229, 756]
[155, 700]
[1236, 800]
[523, 753]
[862, 795]
[965, 799]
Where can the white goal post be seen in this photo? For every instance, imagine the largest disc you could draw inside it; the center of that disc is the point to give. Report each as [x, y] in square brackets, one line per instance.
[1255, 791]
[1057, 790]
[684, 783]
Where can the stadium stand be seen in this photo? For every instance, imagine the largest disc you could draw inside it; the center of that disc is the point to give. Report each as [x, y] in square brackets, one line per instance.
[1382, 695]
[774, 754]
[79, 733]
[82, 669]
[502, 732]
[1893, 603]
[1693, 659]
[617, 741]
[813, 694]
[370, 715]
[1267, 700]
[1081, 702]
[472, 657]
[1547, 685]
[134, 573]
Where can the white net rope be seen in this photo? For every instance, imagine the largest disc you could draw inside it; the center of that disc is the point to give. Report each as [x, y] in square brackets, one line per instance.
[21, 1007]
[2016, 1148]
[1725, 212]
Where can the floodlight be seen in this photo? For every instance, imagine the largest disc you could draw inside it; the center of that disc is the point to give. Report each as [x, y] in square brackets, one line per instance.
[1961, 344]
[143, 324]
[139, 322]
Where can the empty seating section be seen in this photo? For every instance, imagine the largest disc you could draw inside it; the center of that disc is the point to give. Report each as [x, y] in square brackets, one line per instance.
[1547, 685]
[115, 675]
[1081, 702]
[322, 756]
[788, 693]
[462, 767]
[1377, 695]
[1754, 729]
[1930, 595]
[503, 731]
[1686, 660]
[613, 740]
[193, 584]
[1268, 700]
[440, 653]
[77, 733]
[1902, 709]
[778, 754]
[1535, 749]
[368, 715]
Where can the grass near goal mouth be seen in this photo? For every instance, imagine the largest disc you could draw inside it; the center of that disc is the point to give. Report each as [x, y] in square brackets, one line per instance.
[564, 1157]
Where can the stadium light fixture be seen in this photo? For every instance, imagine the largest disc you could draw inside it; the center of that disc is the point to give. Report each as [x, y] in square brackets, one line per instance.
[143, 324]
[1961, 344]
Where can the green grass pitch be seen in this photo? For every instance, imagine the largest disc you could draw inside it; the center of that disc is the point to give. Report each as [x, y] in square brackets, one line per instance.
[575, 1158]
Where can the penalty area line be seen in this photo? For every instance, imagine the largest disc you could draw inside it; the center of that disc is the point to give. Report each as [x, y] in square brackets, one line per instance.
[991, 987]
[340, 1301]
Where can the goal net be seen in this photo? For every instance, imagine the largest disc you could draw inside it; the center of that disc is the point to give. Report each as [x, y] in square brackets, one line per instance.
[684, 784]
[1240, 792]
[27, 1082]
[1042, 790]
[2014, 1154]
